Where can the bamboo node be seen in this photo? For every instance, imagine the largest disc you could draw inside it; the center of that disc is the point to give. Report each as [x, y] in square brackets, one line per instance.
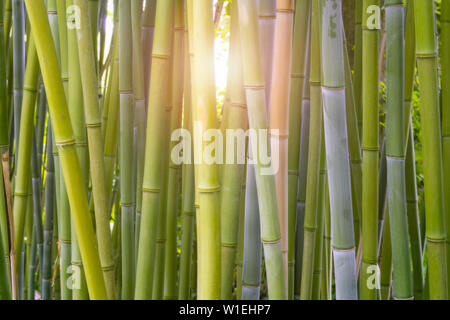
[150, 190]
[93, 125]
[66, 143]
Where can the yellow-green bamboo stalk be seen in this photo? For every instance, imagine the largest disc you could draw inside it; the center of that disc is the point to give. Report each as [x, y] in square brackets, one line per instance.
[95, 140]
[65, 142]
[170, 273]
[255, 90]
[300, 44]
[158, 101]
[370, 150]
[432, 148]
[315, 137]
[208, 220]
[232, 174]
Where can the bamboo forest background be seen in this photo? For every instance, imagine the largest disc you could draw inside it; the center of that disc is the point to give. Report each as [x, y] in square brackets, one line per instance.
[97, 96]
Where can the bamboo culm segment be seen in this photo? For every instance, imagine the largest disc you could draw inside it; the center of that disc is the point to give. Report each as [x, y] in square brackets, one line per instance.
[336, 142]
[65, 141]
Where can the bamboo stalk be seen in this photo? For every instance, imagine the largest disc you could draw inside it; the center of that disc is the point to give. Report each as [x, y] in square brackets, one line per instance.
[233, 171]
[65, 142]
[23, 170]
[188, 185]
[315, 138]
[336, 141]
[49, 205]
[401, 256]
[170, 273]
[300, 43]
[432, 148]
[279, 114]
[158, 101]
[126, 149]
[96, 153]
[445, 65]
[255, 90]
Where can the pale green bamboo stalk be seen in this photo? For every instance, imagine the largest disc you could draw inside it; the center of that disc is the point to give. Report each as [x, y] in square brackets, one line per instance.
[174, 188]
[432, 147]
[126, 149]
[241, 239]
[354, 145]
[140, 114]
[65, 142]
[395, 141]
[336, 141]
[188, 185]
[158, 101]
[302, 179]
[23, 170]
[255, 90]
[232, 171]
[300, 46]
[95, 141]
[148, 30]
[75, 101]
[315, 138]
[251, 271]
[413, 218]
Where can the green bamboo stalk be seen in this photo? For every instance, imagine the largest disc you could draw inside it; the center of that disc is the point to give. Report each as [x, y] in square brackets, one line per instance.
[76, 110]
[300, 42]
[357, 64]
[148, 30]
[413, 218]
[319, 275]
[158, 101]
[23, 170]
[386, 260]
[7, 20]
[233, 171]
[140, 114]
[126, 147]
[370, 150]
[432, 148]
[241, 239]
[336, 141]
[401, 256]
[445, 78]
[208, 219]
[354, 145]
[65, 142]
[49, 205]
[64, 227]
[302, 180]
[170, 273]
[188, 186]
[254, 84]
[315, 137]
[95, 141]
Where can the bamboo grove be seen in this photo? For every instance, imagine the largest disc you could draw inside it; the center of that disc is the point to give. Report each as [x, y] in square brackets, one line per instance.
[321, 172]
